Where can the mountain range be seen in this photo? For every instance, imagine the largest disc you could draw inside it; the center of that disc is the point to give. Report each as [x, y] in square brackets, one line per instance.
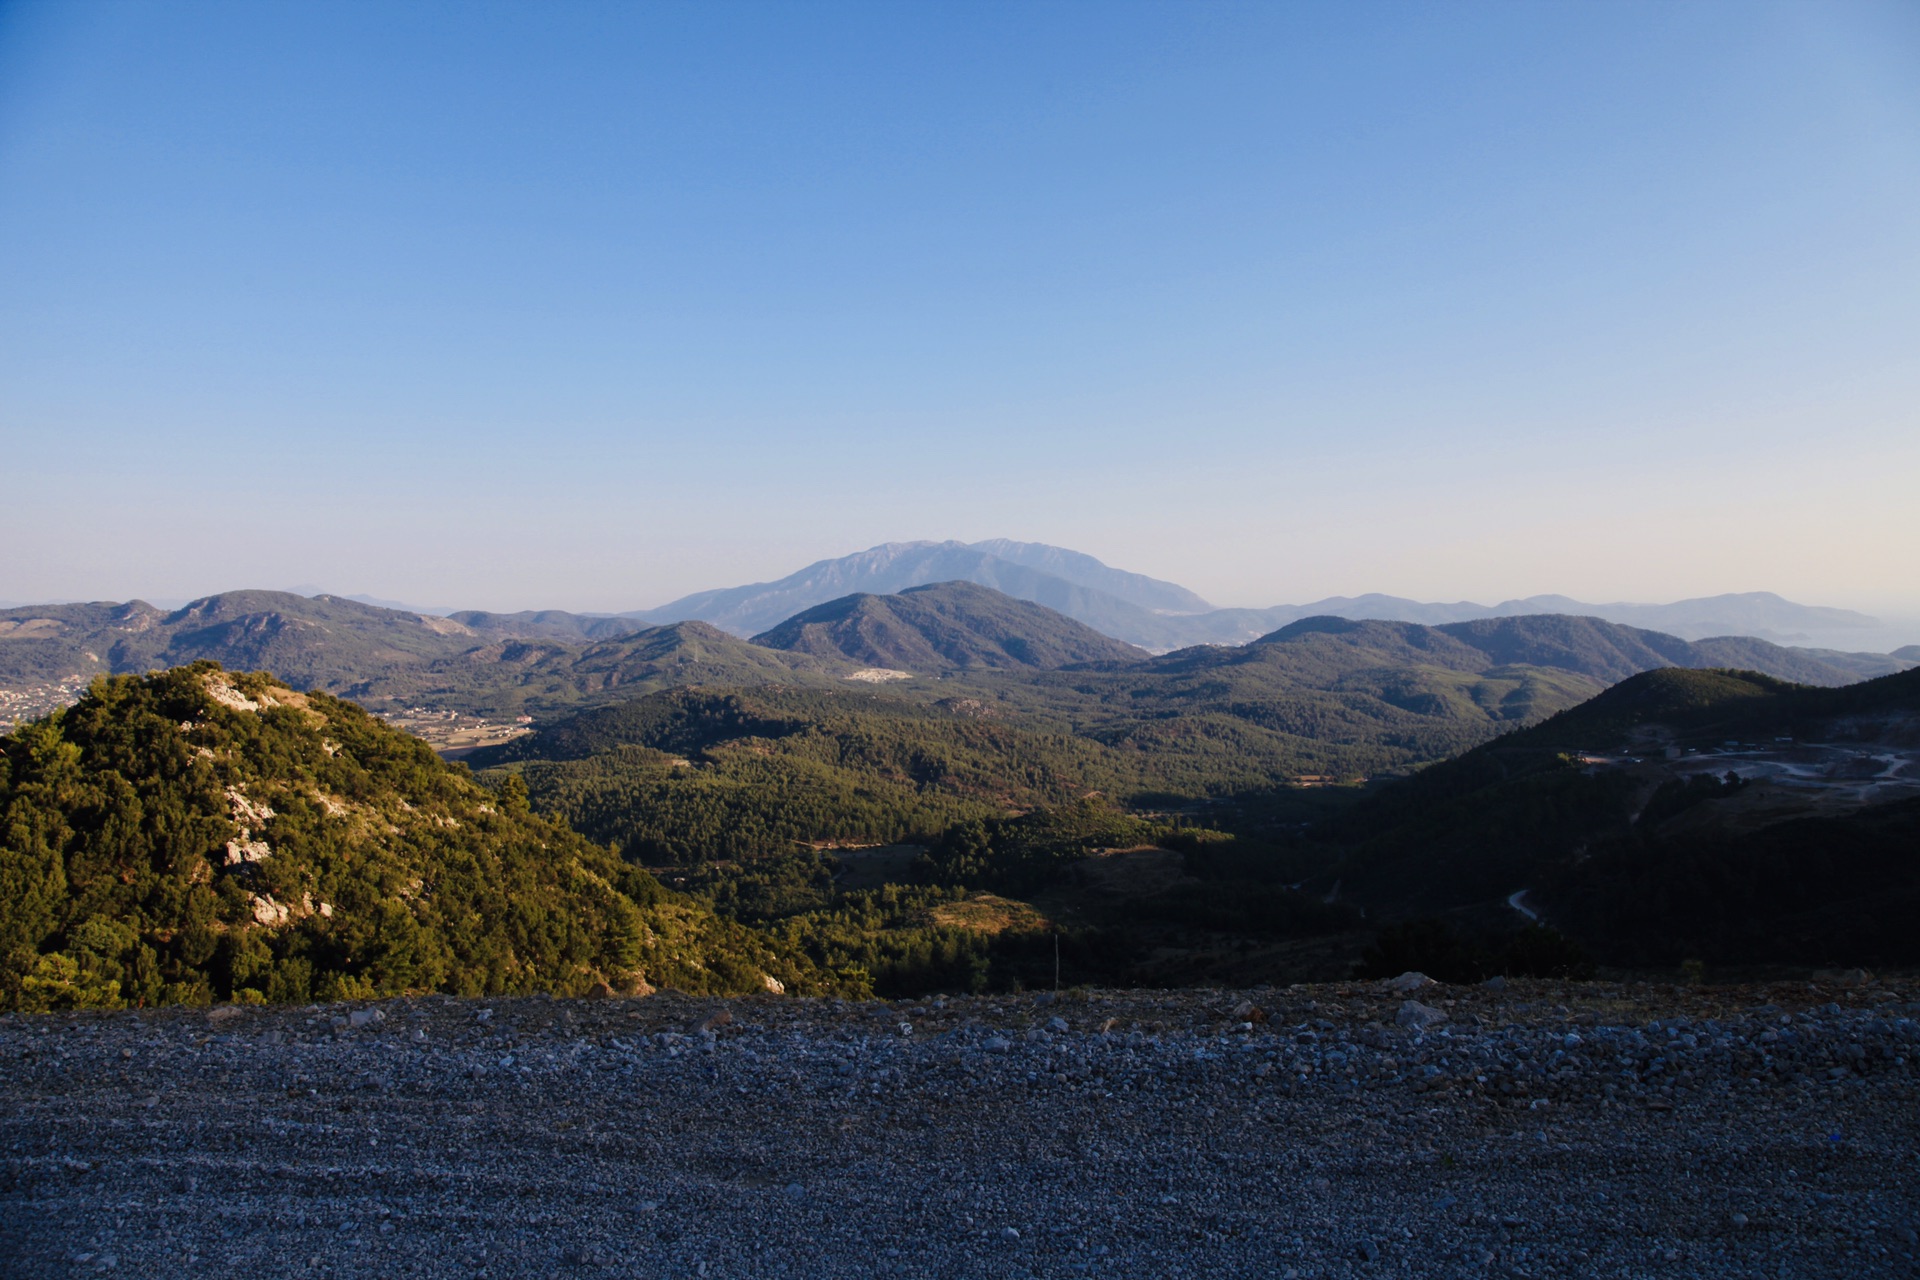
[1147, 612]
[1161, 616]
[391, 657]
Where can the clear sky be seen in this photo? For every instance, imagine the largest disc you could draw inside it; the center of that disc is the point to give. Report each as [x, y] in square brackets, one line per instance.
[587, 306]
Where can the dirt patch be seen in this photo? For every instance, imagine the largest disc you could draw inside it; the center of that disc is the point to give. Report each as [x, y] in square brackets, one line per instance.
[991, 914]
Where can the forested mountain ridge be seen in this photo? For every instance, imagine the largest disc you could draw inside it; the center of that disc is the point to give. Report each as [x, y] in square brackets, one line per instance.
[545, 676]
[198, 835]
[945, 626]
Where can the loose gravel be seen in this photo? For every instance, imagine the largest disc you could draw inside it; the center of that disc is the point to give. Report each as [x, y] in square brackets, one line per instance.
[1327, 1131]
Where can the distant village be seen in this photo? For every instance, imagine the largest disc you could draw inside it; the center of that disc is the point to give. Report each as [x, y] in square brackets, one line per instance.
[17, 706]
[454, 733]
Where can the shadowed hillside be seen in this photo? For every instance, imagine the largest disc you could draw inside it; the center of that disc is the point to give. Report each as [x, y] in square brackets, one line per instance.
[1720, 814]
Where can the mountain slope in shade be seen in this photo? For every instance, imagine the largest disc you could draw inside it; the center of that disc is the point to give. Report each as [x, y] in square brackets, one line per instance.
[1718, 815]
[945, 626]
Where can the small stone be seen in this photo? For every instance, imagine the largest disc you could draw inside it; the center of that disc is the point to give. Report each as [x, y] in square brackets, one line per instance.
[1009, 1233]
[794, 1191]
[717, 1021]
[997, 1044]
[1056, 1024]
[1495, 983]
[1411, 980]
[1739, 1219]
[361, 1018]
[1368, 1251]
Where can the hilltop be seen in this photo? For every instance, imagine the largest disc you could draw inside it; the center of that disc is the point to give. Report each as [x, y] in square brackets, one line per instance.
[945, 626]
[198, 835]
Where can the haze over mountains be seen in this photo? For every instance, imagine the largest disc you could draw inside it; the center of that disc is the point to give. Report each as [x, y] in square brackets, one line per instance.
[1160, 615]
[1152, 614]
[344, 646]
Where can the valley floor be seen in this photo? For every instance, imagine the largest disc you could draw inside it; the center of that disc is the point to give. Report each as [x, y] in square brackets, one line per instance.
[1544, 1129]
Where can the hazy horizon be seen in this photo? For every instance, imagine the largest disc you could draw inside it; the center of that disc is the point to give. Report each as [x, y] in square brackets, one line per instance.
[591, 307]
[1894, 615]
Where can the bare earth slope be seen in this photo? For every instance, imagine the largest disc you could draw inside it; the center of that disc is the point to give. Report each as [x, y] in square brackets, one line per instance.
[1541, 1130]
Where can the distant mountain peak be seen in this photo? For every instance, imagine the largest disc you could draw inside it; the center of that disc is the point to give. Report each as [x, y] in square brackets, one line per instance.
[1110, 600]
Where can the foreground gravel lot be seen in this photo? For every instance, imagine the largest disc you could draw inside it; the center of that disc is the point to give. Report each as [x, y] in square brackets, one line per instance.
[1539, 1130]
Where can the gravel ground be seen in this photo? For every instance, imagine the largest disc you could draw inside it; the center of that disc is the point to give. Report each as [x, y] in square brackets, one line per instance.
[1543, 1129]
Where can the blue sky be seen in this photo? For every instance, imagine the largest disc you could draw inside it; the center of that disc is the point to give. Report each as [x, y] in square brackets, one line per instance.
[588, 306]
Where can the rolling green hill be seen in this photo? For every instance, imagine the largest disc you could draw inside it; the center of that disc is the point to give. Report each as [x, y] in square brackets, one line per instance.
[511, 676]
[942, 627]
[196, 835]
[690, 775]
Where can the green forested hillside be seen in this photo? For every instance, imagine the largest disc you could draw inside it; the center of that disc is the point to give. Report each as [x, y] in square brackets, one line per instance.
[696, 774]
[515, 675]
[196, 835]
[693, 775]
